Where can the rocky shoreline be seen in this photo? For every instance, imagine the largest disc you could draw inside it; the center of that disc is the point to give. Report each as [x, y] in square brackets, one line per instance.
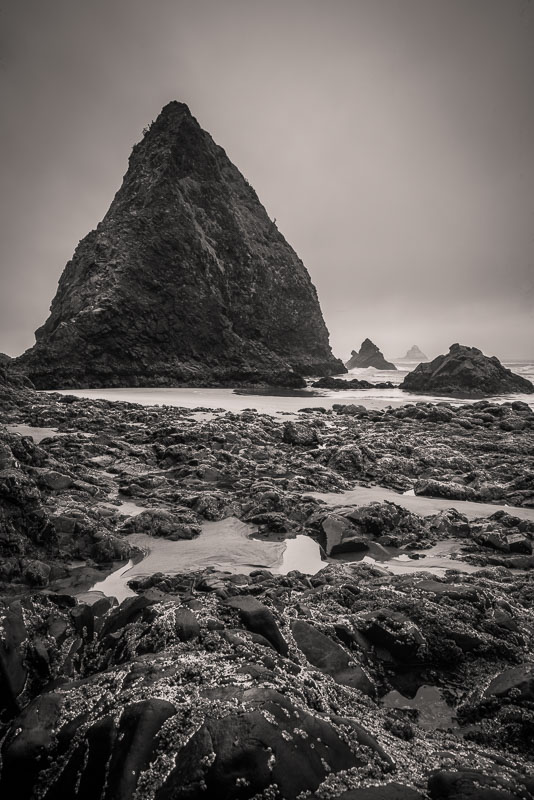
[228, 685]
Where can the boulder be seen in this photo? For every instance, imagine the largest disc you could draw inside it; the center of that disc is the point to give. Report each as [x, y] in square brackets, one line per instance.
[259, 619]
[298, 433]
[465, 370]
[341, 536]
[271, 743]
[469, 784]
[25, 752]
[520, 680]
[330, 657]
[13, 671]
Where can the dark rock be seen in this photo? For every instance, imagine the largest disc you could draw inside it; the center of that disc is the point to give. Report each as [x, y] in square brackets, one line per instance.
[186, 624]
[368, 356]
[111, 548]
[36, 573]
[300, 434]
[387, 791]
[330, 657]
[83, 619]
[24, 753]
[111, 756]
[341, 536]
[252, 753]
[24, 523]
[160, 522]
[395, 632]
[519, 680]
[129, 610]
[185, 281]
[352, 410]
[428, 487]
[348, 458]
[138, 727]
[465, 370]
[54, 480]
[469, 784]
[13, 671]
[259, 619]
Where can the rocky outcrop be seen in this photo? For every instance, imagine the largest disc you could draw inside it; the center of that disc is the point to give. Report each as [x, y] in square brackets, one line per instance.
[465, 370]
[342, 384]
[185, 281]
[13, 384]
[414, 354]
[368, 356]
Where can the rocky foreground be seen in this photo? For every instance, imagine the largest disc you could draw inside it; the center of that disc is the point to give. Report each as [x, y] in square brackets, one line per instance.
[219, 685]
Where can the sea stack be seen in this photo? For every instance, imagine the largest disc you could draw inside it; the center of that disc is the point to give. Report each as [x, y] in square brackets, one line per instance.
[414, 354]
[368, 356]
[467, 371]
[185, 281]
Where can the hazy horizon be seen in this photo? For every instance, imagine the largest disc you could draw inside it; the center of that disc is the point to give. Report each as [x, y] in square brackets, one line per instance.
[392, 140]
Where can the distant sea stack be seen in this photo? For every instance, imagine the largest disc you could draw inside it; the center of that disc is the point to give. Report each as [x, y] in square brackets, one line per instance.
[414, 354]
[185, 281]
[368, 356]
[465, 370]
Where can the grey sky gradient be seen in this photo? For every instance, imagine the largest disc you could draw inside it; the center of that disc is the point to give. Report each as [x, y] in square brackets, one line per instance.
[393, 140]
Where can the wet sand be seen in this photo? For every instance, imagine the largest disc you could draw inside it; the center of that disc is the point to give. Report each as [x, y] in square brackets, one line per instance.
[425, 506]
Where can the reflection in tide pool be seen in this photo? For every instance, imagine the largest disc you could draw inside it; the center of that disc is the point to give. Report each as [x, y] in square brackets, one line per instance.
[302, 554]
[115, 585]
[433, 711]
[126, 507]
[226, 545]
[437, 559]
[34, 432]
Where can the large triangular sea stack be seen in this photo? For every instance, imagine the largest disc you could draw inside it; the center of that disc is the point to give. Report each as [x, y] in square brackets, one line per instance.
[185, 281]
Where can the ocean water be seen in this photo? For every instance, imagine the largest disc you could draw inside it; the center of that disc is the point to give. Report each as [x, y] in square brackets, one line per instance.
[228, 400]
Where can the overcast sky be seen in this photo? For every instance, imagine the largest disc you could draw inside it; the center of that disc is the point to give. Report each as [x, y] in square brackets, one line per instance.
[393, 140]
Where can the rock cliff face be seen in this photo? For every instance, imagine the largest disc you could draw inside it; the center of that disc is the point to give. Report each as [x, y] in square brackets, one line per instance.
[465, 370]
[368, 356]
[185, 281]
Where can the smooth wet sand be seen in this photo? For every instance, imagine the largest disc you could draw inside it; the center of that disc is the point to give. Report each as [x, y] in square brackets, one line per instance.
[425, 506]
